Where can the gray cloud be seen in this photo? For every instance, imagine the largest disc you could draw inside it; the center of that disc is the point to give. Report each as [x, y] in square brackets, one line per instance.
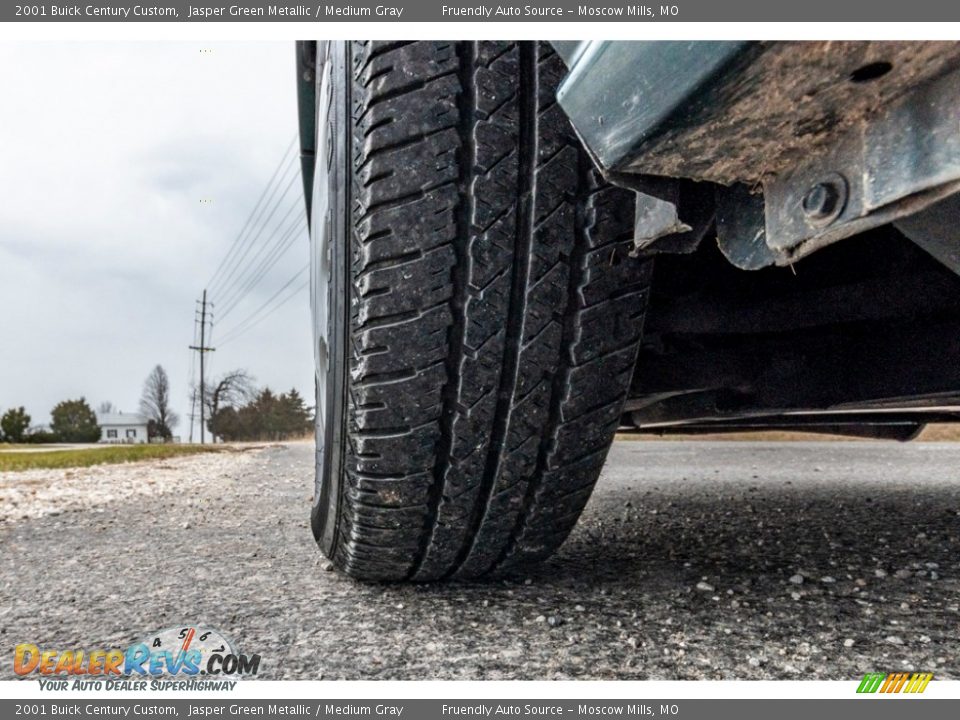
[107, 151]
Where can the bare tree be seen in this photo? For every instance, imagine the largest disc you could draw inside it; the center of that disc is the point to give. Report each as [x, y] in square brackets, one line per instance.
[106, 407]
[232, 390]
[155, 404]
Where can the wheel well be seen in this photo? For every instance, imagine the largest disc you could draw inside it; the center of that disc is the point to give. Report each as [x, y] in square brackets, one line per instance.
[869, 324]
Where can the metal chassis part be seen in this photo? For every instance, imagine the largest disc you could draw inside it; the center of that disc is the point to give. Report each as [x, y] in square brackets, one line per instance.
[846, 167]
[889, 168]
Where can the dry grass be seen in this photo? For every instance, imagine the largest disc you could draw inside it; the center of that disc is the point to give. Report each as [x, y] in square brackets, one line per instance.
[84, 457]
[932, 433]
[940, 432]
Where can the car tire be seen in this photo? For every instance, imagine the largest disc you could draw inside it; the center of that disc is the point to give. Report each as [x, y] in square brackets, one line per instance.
[476, 305]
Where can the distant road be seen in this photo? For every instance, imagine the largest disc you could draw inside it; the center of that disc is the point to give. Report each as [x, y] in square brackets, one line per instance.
[49, 448]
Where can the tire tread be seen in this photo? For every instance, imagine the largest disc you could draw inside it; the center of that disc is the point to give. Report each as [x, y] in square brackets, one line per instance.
[495, 312]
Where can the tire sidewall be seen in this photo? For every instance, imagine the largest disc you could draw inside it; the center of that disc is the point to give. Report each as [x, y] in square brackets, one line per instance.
[329, 240]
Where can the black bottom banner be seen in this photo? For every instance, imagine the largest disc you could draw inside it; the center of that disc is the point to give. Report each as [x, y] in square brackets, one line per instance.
[872, 708]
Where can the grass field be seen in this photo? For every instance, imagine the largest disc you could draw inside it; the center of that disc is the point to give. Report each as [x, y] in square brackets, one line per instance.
[84, 457]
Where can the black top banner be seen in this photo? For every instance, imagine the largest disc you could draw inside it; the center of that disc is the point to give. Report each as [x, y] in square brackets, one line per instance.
[489, 708]
[468, 11]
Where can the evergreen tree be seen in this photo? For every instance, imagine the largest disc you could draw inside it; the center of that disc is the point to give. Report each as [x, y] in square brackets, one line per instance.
[74, 421]
[14, 424]
[266, 416]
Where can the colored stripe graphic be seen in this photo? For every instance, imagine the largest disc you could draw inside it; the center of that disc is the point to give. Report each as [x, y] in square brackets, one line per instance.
[871, 682]
[894, 683]
[919, 682]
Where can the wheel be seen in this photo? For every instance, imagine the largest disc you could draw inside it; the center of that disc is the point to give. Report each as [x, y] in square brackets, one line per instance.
[477, 310]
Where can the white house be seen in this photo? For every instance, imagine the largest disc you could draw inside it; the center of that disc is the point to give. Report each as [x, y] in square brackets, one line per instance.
[121, 427]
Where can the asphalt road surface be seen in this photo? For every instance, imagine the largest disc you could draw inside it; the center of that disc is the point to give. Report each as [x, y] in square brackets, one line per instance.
[693, 560]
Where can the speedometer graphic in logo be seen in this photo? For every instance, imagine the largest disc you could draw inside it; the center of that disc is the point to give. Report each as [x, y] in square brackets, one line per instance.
[194, 650]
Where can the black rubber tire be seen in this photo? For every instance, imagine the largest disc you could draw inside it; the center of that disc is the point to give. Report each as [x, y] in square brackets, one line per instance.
[484, 311]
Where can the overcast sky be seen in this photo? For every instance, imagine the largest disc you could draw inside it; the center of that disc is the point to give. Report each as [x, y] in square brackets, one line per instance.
[106, 152]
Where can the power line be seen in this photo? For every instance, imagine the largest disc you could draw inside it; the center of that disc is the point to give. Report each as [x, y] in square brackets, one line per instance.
[248, 322]
[251, 240]
[259, 266]
[224, 261]
[258, 257]
[283, 302]
[234, 330]
[237, 253]
[239, 271]
[214, 277]
[290, 237]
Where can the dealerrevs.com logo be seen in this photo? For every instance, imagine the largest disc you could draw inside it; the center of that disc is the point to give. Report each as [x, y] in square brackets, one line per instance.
[180, 658]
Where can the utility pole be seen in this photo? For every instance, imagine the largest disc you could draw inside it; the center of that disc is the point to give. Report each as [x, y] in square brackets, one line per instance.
[193, 408]
[203, 350]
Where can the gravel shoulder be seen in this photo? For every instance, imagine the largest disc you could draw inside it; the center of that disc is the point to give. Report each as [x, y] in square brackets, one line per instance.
[692, 560]
[43, 492]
